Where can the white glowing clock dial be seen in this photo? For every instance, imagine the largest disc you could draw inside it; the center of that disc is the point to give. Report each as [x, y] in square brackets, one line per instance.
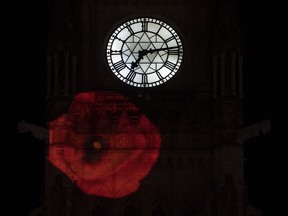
[144, 52]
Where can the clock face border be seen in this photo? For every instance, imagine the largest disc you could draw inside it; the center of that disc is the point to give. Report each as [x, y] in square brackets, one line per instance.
[171, 50]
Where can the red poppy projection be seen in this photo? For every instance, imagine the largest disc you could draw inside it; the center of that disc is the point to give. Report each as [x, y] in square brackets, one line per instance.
[104, 144]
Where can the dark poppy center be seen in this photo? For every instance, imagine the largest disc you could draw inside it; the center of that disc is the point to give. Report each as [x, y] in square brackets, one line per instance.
[94, 148]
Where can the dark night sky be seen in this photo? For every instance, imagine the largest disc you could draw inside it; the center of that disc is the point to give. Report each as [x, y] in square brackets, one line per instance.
[265, 86]
[23, 97]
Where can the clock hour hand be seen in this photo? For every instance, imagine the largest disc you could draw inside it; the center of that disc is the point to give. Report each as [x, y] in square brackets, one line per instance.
[142, 53]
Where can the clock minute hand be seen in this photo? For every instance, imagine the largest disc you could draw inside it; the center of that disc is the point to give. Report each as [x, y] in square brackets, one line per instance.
[161, 49]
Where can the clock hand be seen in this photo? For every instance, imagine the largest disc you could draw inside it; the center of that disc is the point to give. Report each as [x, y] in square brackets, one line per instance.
[161, 49]
[144, 52]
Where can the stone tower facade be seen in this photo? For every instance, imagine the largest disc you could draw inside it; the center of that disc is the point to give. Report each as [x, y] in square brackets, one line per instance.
[198, 112]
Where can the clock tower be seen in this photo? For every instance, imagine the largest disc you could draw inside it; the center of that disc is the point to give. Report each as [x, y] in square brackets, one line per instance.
[191, 53]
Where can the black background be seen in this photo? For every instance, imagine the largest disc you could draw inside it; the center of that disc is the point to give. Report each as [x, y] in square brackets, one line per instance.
[23, 73]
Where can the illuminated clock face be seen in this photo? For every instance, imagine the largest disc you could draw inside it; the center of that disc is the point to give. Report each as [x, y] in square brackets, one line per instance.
[144, 52]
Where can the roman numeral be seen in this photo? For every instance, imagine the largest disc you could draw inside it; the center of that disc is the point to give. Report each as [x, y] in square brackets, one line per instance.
[120, 65]
[130, 30]
[169, 39]
[174, 52]
[170, 65]
[159, 75]
[115, 52]
[144, 79]
[131, 75]
[120, 39]
[145, 25]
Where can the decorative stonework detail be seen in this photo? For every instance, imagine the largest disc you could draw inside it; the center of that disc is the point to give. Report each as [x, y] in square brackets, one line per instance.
[224, 198]
[61, 74]
[62, 50]
[227, 60]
